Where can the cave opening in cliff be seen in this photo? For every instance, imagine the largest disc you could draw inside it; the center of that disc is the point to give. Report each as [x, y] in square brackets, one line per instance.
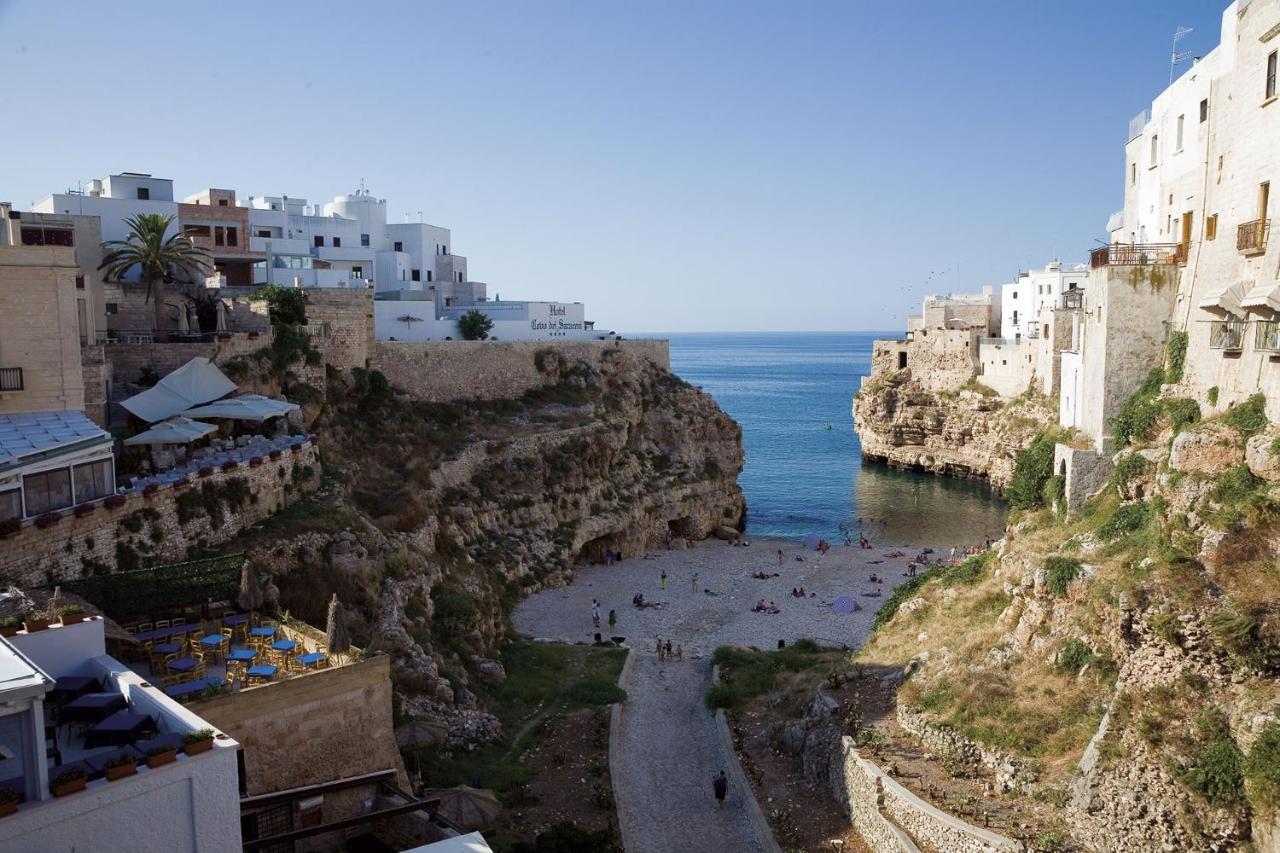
[681, 528]
[594, 551]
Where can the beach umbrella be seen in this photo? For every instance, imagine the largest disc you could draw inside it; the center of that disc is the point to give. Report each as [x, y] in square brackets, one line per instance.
[250, 597]
[811, 541]
[336, 628]
[173, 431]
[417, 733]
[466, 807]
[845, 604]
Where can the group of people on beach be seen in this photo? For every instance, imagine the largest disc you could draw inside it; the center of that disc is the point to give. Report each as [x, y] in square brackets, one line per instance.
[761, 607]
[595, 615]
[667, 653]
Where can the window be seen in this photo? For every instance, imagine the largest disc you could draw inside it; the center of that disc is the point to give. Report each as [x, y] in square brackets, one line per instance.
[416, 275]
[364, 239]
[231, 236]
[1204, 110]
[1271, 75]
[195, 230]
[1211, 227]
[112, 309]
[902, 359]
[222, 202]
[357, 272]
[79, 282]
[47, 491]
[1155, 147]
[1015, 294]
[93, 480]
[144, 193]
[319, 241]
[444, 250]
[459, 276]
[337, 242]
[399, 246]
[219, 236]
[11, 504]
[1182, 120]
[47, 237]
[1133, 174]
[428, 275]
[264, 232]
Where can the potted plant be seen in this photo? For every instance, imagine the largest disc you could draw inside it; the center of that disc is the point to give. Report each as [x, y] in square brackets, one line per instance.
[206, 471]
[149, 490]
[181, 483]
[9, 626]
[69, 782]
[113, 501]
[230, 465]
[275, 454]
[224, 336]
[71, 614]
[255, 461]
[194, 743]
[126, 764]
[85, 509]
[8, 801]
[33, 621]
[158, 756]
[48, 519]
[253, 335]
[10, 526]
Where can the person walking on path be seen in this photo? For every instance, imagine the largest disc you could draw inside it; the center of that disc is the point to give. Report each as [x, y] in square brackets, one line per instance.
[595, 613]
[613, 618]
[668, 655]
[720, 785]
[779, 556]
[662, 579]
[694, 581]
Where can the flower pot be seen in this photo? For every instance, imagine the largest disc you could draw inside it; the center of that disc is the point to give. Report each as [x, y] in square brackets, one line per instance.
[33, 625]
[198, 746]
[85, 509]
[255, 462]
[181, 483]
[154, 761]
[121, 771]
[297, 448]
[206, 471]
[8, 631]
[71, 787]
[8, 808]
[113, 501]
[275, 454]
[48, 519]
[72, 619]
[150, 490]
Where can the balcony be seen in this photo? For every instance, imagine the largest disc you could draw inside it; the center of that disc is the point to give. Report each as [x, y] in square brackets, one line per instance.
[1137, 254]
[1073, 299]
[1227, 335]
[1267, 337]
[1251, 237]
[10, 379]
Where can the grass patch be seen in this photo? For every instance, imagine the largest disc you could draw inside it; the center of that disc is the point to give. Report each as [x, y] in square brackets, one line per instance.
[748, 673]
[1175, 353]
[1216, 772]
[1059, 572]
[1032, 469]
[968, 571]
[1262, 769]
[1248, 418]
[1130, 468]
[1075, 656]
[1128, 518]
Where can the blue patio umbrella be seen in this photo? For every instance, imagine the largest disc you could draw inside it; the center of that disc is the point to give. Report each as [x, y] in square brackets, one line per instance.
[845, 604]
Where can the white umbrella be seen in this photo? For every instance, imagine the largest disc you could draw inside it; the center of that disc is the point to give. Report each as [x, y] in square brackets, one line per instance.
[247, 407]
[198, 381]
[173, 431]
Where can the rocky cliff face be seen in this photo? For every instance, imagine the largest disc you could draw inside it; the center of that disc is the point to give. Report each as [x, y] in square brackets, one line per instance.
[965, 433]
[446, 514]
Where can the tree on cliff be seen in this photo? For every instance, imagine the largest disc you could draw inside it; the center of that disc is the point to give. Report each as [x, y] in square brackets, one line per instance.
[161, 261]
[474, 325]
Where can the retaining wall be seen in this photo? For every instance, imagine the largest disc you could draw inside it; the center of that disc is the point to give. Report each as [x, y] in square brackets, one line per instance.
[441, 371]
[92, 538]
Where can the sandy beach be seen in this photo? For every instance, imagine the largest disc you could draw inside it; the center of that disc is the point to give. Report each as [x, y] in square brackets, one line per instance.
[719, 611]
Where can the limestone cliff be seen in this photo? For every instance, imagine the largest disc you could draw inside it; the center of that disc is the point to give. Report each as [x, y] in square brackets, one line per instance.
[1126, 662]
[438, 516]
[969, 432]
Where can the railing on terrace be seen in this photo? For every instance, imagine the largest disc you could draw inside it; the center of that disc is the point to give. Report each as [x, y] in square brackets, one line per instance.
[1251, 237]
[1138, 122]
[143, 337]
[1073, 299]
[1227, 335]
[1267, 336]
[1136, 254]
[317, 330]
[11, 379]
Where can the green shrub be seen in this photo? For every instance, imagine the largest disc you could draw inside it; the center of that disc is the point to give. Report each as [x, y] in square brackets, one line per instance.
[1216, 771]
[1059, 572]
[1248, 418]
[967, 571]
[1238, 633]
[1075, 655]
[1262, 768]
[1175, 355]
[285, 305]
[595, 691]
[1212, 395]
[454, 609]
[1032, 470]
[721, 696]
[1137, 417]
[1127, 519]
[1130, 467]
[474, 325]
[1236, 486]
[1180, 412]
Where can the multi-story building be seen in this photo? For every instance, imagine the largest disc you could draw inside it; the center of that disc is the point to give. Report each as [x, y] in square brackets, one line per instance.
[1199, 165]
[959, 311]
[1023, 300]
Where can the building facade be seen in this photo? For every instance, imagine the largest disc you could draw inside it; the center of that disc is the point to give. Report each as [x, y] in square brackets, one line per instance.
[1023, 300]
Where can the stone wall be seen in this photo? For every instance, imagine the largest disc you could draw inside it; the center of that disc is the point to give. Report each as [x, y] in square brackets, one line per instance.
[893, 820]
[493, 370]
[1085, 472]
[938, 359]
[1007, 365]
[97, 372]
[347, 315]
[1010, 773]
[38, 328]
[94, 538]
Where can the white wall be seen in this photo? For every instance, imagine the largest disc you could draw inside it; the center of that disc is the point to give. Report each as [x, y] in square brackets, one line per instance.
[1071, 390]
[112, 211]
[512, 321]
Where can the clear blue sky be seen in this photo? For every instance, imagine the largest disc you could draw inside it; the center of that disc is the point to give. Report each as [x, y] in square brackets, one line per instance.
[675, 165]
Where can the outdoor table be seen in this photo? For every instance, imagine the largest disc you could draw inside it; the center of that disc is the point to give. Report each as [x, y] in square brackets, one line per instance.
[92, 707]
[213, 642]
[239, 655]
[263, 631]
[72, 687]
[188, 688]
[313, 659]
[284, 645]
[267, 671]
[166, 648]
[237, 619]
[183, 664]
[120, 729]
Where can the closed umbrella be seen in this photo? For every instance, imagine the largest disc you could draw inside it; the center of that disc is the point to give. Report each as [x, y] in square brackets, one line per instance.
[250, 597]
[467, 807]
[336, 628]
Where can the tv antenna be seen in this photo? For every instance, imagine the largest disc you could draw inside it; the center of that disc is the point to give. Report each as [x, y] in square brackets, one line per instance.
[1175, 57]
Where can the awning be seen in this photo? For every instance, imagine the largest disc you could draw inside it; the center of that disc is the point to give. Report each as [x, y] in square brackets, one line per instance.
[248, 407]
[1224, 299]
[193, 384]
[1263, 297]
[174, 431]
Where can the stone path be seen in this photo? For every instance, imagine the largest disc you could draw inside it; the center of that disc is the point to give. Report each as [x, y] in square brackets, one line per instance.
[669, 753]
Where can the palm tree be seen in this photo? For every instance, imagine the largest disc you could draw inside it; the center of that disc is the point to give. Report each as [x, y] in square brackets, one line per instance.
[162, 261]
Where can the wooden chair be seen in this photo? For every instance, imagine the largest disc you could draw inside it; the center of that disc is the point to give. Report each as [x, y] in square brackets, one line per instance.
[178, 620]
[146, 626]
[162, 623]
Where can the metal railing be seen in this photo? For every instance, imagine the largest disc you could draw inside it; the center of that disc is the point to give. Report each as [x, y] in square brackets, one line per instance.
[1267, 336]
[1227, 335]
[1138, 122]
[11, 379]
[1137, 254]
[1251, 237]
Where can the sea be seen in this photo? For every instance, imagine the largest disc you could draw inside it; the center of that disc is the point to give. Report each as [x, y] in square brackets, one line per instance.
[792, 392]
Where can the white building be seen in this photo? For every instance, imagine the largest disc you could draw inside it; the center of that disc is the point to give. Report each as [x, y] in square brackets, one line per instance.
[114, 199]
[190, 805]
[958, 311]
[417, 316]
[1023, 300]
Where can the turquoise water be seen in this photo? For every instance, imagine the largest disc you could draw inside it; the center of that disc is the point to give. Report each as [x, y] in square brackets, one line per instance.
[800, 477]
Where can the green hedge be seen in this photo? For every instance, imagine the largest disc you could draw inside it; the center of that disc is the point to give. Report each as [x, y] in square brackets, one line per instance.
[161, 589]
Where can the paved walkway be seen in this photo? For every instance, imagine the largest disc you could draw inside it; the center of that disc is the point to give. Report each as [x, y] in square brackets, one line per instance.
[669, 753]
